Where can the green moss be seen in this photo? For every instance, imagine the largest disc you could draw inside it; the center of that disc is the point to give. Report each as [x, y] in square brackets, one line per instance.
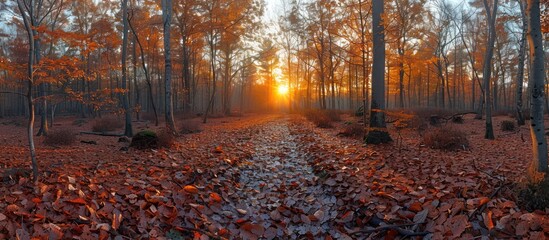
[146, 139]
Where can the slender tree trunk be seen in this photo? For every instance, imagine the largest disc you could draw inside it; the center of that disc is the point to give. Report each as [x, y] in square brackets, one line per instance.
[486, 74]
[124, 96]
[27, 20]
[167, 19]
[520, 70]
[537, 75]
[146, 70]
[135, 84]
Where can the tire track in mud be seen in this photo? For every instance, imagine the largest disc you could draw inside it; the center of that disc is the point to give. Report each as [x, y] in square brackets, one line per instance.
[278, 190]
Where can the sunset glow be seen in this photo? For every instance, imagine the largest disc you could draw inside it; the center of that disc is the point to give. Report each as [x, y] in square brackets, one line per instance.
[282, 90]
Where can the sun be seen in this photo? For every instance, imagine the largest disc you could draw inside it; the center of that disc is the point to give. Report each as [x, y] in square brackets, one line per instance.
[282, 90]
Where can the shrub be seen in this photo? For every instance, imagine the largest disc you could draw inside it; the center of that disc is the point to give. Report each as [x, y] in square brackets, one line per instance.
[60, 138]
[354, 130]
[189, 126]
[79, 122]
[507, 126]
[165, 139]
[457, 119]
[106, 124]
[333, 115]
[446, 138]
[323, 118]
[145, 140]
[534, 196]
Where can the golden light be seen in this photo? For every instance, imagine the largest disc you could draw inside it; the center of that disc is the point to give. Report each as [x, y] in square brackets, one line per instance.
[282, 90]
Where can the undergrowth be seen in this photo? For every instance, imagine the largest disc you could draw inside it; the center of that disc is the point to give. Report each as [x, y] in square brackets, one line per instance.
[446, 138]
[323, 118]
[62, 137]
[106, 124]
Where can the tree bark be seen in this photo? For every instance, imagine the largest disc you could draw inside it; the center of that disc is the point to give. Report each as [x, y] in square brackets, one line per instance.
[167, 18]
[377, 132]
[537, 75]
[520, 70]
[124, 96]
[487, 71]
[147, 75]
[30, 82]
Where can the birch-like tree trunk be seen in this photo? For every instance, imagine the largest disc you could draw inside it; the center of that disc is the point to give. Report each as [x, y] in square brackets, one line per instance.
[520, 67]
[27, 21]
[537, 79]
[167, 20]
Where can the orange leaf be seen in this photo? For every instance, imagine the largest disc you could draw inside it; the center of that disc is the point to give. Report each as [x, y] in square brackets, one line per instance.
[190, 189]
[223, 232]
[215, 197]
[483, 201]
[488, 220]
[241, 221]
[36, 200]
[218, 149]
[80, 201]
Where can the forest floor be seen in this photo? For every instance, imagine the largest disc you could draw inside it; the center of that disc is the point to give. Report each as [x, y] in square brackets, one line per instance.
[268, 176]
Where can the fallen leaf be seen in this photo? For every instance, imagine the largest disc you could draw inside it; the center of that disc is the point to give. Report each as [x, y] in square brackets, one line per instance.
[415, 207]
[488, 220]
[218, 149]
[256, 229]
[420, 217]
[80, 201]
[457, 224]
[2, 217]
[116, 219]
[215, 197]
[190, 189]
[319, 215]
[347, 217]
[241, 211]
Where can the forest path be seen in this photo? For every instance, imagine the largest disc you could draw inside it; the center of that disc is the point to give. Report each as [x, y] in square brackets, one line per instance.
[278, 186]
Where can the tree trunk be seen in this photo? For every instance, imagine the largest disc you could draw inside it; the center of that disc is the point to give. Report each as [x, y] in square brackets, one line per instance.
[377, 132]
[146, 70]
[487, 71]
[124, 96]
[30, 81]
[167, 18]
[537, 75]
[520, 70]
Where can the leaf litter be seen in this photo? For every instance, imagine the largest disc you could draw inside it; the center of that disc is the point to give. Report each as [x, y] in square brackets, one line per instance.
[262, 177]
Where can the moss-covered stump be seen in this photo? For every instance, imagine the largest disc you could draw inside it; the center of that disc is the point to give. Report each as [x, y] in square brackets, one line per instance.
[144, 140]
[377, 137]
